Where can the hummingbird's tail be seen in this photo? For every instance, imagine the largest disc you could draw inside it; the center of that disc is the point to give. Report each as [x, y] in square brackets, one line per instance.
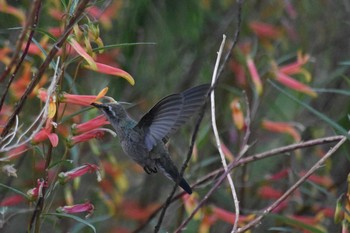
[170, 171]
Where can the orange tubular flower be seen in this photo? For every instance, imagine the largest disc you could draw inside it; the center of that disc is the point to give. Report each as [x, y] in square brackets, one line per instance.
[78, 208]
[46, 133]
[237, 114]
[97, 122]
[64, 177]
[281, 127]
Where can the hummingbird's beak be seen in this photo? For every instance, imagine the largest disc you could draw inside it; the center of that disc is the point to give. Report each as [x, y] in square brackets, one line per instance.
[97, 105]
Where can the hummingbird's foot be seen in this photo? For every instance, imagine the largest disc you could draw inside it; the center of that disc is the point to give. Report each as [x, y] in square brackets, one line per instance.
[149, 170]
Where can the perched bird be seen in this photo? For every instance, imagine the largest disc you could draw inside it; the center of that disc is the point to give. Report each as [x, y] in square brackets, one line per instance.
[144, 141]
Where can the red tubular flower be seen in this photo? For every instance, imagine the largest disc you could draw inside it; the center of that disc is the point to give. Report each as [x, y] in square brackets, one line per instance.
[46, 133]
[78, 208]
[97, 122]
[264, 30]
[12, 200]
[268, 192]
[254, 75]
[279, 175]
[64, 177]
[99, 67]
[230, 217]
[84, 100]
[14, 153]
[294, 84]
[281, 127]
[283, 73]
[106, 69]
[95, 133]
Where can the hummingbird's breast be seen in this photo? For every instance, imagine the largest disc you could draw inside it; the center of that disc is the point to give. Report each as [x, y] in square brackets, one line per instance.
[134, 146]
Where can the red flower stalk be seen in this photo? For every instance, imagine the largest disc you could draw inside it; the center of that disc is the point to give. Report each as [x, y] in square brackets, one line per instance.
[36, 192]
[78, 208]
[95, 133]
[64, 177]
[90, 125]
[46, 133]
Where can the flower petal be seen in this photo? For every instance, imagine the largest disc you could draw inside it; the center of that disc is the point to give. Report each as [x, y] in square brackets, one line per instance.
[53, 139]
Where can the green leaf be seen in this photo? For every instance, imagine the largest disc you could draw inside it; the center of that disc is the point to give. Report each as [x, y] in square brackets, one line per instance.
[298, 224]
[14, 190]
[112, 46]
[61, 162]
[318, 114]
[106, 47]
[78, 227]
[44, 32]
[334, 91]
[78, 219]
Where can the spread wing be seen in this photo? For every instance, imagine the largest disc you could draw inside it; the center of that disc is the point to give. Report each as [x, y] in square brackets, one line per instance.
[169, 114]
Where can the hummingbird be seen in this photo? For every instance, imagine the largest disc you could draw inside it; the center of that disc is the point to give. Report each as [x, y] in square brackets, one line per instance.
[144, 141]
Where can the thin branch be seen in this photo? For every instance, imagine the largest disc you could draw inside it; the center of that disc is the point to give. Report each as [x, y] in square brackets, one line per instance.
[75, 18]
[294, 187]
[217, 137]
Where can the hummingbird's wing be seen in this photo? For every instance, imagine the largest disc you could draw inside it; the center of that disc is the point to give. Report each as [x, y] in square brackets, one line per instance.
[169, 114]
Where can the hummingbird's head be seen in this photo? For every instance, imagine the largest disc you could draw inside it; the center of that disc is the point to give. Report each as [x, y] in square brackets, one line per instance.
[113, 111]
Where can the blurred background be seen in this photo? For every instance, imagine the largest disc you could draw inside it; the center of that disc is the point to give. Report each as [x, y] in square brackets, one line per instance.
[167, 47]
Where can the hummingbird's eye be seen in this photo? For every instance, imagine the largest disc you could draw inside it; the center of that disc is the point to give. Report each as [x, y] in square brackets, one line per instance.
[110, 111]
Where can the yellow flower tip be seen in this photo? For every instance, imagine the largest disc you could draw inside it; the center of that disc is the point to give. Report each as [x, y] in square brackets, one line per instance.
[306, 74]
[129, 78]
[52, 110]
[102, 93]
[312, 93]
